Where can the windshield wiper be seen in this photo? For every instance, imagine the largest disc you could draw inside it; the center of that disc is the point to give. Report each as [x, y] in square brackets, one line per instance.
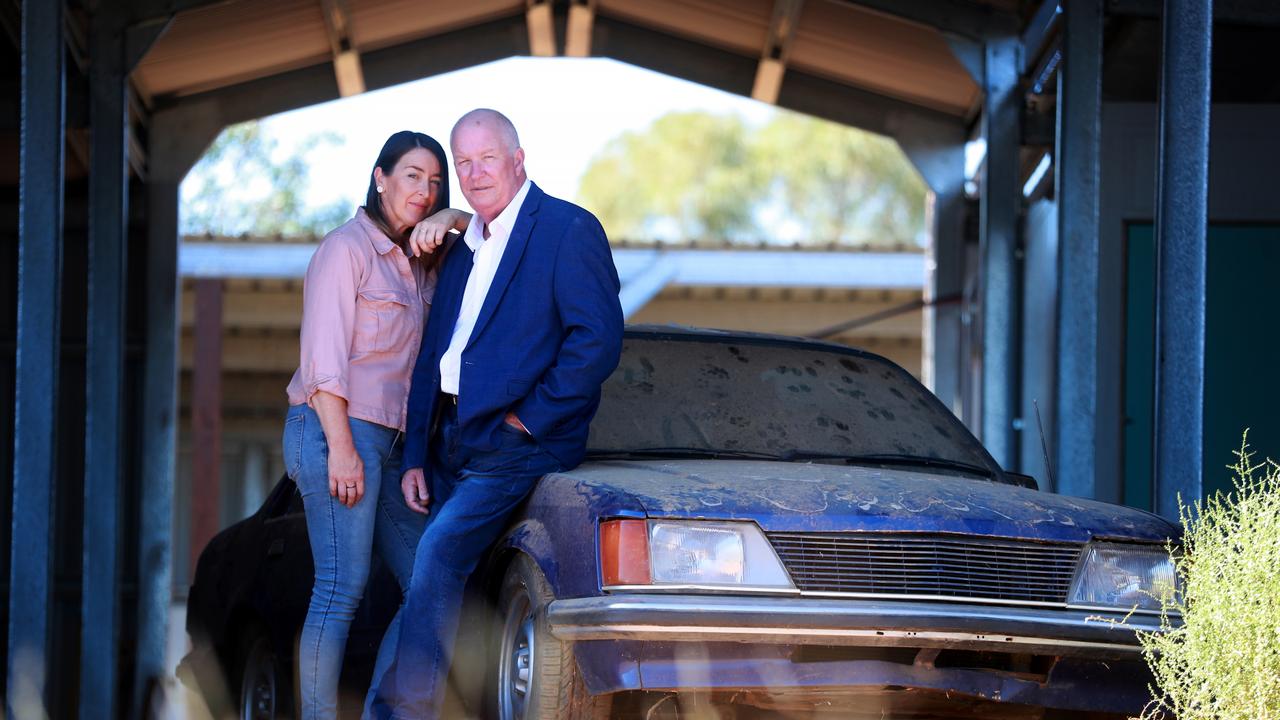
[890, 459]
[682, 453]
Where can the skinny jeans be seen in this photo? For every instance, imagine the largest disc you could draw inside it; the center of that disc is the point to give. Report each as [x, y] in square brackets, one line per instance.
[342, 542]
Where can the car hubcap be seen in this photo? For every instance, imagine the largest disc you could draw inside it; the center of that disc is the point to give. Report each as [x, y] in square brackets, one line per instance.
[515, 676]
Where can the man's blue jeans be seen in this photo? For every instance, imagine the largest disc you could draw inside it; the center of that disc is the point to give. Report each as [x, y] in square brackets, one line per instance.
[342, 540]
[471, 503]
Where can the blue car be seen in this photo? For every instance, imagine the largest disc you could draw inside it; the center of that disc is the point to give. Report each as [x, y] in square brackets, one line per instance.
[764, 527]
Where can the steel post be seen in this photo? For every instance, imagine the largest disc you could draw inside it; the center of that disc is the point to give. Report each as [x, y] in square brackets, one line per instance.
[1077, 155]
[104, 381]
[937, 151]
[206, 417]
[159, 429]
[177, 138]
[40, 242]
[999, 208]
[1181, 251]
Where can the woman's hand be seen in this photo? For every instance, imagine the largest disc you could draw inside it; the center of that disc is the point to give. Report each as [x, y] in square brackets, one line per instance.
[346, 475]
[429, 235]
[413, 485]
[346, 469]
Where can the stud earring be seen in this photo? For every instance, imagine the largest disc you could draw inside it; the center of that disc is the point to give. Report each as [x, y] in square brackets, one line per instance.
[379, 188]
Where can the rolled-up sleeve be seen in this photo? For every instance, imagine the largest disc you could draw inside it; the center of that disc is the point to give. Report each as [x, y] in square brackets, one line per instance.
[328, 319]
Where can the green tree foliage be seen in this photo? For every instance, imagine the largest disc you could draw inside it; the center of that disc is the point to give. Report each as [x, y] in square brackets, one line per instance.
[694, 175]
[690, 175]
[842, 184]
[1223, 661]
[243, 186]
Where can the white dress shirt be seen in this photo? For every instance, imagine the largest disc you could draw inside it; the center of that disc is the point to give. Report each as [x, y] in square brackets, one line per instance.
[488, 253]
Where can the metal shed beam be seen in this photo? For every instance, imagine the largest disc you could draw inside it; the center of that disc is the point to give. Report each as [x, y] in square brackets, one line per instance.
[542, 28]
[999, 207]
[177, 138]
[1041, 25]
[938, 154]
[577, 37]
[961, 17]
[149, 11]
[735, 73]
[508, 36]
[1079, 146]
[1244, 12]
[382, 68]
[206, 417]
[346, 58]
[36, 378]
[104, 380]
[777, 48]
[1181, 251]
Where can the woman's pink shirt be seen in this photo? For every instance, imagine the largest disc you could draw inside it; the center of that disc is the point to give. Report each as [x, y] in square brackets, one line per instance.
[364, 306]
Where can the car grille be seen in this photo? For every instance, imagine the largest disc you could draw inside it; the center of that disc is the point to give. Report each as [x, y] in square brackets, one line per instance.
[928, 564]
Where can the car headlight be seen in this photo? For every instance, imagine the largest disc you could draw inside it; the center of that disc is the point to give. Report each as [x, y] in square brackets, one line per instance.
[1125, 576]
[689, 553]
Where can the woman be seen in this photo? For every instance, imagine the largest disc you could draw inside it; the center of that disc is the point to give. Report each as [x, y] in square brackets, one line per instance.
[365, 300]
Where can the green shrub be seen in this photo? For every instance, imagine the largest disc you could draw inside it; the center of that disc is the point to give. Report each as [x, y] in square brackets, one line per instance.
[1224, 660]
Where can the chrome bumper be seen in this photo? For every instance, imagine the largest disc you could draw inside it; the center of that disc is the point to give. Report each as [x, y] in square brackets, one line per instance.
[857, 622]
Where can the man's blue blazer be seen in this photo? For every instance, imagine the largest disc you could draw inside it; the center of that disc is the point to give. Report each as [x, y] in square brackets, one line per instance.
[548, 335]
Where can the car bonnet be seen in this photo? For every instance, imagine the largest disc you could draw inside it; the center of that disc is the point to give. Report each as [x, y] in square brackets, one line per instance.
[814, 497]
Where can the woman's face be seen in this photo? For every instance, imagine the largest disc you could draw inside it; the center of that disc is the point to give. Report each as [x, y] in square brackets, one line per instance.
[410, 190]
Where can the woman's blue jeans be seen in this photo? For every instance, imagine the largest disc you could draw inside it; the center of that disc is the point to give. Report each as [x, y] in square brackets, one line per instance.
[342, 541]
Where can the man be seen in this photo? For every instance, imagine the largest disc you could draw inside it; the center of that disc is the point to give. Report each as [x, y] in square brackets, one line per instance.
[525, 327]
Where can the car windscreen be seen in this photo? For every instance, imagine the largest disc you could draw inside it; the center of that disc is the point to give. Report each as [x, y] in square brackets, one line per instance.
[772, 399]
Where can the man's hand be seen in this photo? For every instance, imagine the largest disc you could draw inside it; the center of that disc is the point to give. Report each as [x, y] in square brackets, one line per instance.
[346, 475]
[413, 485]
[514, 422]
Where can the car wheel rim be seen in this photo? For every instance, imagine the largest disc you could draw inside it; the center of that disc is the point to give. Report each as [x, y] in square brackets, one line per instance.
[258, 689]
[515, 675]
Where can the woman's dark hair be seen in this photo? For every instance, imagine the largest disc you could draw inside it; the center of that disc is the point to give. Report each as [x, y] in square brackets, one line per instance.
[392, 150]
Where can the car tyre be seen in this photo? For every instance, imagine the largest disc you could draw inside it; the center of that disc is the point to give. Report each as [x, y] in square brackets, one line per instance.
[537, 676]
[259, 682]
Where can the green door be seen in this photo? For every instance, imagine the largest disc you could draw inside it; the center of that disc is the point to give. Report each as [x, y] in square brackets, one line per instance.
[1242, 353]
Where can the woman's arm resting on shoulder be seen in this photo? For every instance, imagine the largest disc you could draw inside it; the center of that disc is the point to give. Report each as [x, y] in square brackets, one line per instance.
[346, 471]
[429, 234]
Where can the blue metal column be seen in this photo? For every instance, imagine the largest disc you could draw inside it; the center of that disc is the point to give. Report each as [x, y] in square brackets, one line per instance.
[159, 428]
[36, 395]
[104, 381]
[937, 151]
[1077, 155]
[944, 286]
[1181, 251]
[177, 138]
[999, 206]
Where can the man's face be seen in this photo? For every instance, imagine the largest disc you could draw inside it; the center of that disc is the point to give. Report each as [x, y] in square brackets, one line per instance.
[490, 173]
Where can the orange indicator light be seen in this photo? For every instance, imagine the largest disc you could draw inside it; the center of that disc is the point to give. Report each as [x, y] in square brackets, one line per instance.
[624, 553]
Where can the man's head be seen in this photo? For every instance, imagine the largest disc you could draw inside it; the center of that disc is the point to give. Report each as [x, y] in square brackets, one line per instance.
[489, 161]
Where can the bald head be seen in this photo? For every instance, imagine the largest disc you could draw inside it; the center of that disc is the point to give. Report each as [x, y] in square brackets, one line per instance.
[489, 161]
[490, 119]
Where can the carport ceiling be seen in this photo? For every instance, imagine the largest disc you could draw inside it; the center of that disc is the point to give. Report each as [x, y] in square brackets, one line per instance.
[836, 44]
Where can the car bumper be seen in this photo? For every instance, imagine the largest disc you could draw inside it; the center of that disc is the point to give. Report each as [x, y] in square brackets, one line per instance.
[871, 623]
[810, 652]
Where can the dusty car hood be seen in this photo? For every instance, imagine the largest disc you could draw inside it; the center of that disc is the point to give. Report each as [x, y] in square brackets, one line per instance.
[815, 497]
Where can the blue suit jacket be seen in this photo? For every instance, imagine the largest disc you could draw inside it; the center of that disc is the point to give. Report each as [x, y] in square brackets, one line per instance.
[548, 335]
